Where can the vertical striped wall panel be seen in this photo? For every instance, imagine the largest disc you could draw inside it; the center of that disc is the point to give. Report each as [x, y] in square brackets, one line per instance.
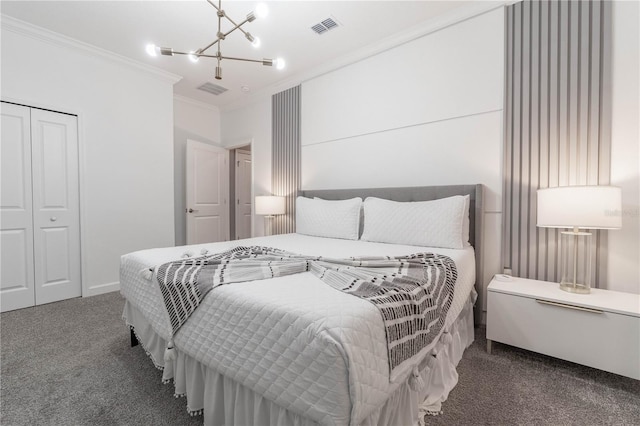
[285, 155]
[557, 122]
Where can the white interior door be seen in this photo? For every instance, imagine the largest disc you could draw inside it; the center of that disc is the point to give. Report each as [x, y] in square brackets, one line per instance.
[243, 194]
[16, 218]
[56, 206]
[207, 180]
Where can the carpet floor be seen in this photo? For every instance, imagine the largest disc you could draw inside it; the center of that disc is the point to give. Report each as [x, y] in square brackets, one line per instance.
[70, 363]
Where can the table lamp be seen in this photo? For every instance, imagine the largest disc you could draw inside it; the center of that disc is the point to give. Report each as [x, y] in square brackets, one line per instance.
[269, 206]
[578, 208]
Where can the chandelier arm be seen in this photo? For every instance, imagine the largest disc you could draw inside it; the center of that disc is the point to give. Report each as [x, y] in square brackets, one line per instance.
[213, 4]
[219, 29]
[231, 58]
[237, 26]
[242, 59]
[175, 52]
[199, 55]
[209, 46]
[204, 49]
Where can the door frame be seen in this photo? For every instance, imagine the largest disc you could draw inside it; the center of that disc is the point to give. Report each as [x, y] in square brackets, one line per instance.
[239, 143]
[82, 185]
[243, 151]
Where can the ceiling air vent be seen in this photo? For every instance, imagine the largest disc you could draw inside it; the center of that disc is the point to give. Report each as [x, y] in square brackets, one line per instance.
[214, 89]
[325, 25]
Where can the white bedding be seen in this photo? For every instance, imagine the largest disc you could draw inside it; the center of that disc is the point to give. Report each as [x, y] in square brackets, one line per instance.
[305, 346]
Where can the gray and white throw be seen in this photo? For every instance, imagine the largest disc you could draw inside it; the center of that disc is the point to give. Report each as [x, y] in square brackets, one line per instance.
[413, 293]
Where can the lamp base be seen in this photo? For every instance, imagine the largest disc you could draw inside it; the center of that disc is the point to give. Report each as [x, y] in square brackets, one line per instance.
[267, 225]
[575, 288]
[575, 261]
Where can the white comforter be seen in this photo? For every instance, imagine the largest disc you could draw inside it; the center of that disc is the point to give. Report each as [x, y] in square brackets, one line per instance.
[307, 347]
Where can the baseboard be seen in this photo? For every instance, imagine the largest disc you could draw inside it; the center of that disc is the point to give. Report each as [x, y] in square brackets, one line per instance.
[102, 289]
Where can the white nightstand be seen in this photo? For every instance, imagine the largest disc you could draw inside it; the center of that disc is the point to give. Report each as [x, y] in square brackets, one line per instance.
[600, 330]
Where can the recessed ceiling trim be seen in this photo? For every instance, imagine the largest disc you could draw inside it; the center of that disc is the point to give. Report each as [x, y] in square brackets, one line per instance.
[195, 102]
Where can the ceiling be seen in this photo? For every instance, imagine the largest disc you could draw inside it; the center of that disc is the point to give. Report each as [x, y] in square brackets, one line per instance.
[126, 27]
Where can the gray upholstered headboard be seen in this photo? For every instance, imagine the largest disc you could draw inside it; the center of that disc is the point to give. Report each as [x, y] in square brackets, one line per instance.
[426, 193]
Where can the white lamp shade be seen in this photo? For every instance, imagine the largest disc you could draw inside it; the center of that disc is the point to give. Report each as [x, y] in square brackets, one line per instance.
[586, 207]
[268, 205]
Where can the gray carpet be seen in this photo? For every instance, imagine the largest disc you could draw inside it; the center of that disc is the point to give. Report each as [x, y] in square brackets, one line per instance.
[69, 363]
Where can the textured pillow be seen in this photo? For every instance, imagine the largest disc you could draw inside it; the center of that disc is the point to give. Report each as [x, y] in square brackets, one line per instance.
[436, 223]
[328, 218]
[466, 224]
[361, 219]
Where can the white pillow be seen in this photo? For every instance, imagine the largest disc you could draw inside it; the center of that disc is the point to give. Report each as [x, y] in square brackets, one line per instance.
[466, 224]
[328, 218]
[436, 223]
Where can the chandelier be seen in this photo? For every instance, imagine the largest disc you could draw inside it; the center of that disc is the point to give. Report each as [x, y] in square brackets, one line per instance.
[194, 55]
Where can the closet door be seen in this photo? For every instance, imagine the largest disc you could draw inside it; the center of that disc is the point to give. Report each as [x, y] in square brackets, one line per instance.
[16, 235]
[56, 218]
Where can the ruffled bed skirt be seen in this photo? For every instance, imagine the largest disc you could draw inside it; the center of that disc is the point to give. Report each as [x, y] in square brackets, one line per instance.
[230, 403]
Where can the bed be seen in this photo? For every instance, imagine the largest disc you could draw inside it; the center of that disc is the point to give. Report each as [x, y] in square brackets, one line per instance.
[293, 351]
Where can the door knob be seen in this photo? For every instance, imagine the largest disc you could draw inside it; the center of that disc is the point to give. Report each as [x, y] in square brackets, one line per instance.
[53, 218]
[192, 210]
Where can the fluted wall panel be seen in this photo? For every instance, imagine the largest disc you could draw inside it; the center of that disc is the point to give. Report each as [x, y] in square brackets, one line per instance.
[285, 155]
[557, 122]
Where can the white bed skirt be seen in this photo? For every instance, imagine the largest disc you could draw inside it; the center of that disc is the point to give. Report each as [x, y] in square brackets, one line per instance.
[231, 403]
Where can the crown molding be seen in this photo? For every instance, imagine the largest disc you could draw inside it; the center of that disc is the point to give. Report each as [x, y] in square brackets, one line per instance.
[42, 34]
[425, 28]
[196, 103]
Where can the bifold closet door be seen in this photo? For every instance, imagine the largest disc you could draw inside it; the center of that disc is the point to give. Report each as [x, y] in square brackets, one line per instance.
[56, 215]
[16, 214]
[40, 237]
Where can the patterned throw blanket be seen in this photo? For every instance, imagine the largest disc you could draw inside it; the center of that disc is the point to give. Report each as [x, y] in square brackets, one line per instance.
[413, 293]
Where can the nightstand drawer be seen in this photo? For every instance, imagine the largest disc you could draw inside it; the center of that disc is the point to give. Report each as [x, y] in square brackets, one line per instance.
[593, 337]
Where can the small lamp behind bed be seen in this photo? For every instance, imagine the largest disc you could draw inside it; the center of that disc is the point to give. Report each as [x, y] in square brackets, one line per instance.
[576, 208]
[269, 206]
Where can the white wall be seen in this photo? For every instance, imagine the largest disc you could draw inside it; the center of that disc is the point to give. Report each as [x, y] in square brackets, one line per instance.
[196, 117]
[624, 245]
[199, 122]
[252, 122]
[374, 97]
[427, 112]
[126, 146]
